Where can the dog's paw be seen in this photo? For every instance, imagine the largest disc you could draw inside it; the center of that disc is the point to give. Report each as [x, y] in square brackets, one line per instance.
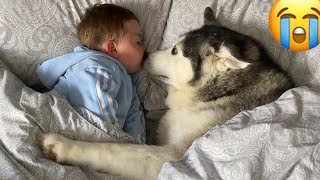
[54, 146]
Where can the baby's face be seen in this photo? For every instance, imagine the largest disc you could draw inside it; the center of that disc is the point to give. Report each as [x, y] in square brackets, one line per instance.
[130, 48]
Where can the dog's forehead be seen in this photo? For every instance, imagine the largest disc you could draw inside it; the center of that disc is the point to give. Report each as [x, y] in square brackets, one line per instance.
[196, 39]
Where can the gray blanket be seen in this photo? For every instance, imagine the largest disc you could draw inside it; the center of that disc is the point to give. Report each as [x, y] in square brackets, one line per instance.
[25, 113]
[280, 140]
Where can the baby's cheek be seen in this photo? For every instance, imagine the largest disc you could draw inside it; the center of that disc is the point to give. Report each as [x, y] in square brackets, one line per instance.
[140, 54]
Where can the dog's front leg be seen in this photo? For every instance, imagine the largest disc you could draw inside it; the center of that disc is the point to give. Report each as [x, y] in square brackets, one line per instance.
[128, 160]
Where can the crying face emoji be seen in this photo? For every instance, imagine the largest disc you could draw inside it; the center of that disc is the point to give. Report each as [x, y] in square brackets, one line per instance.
[295, 23]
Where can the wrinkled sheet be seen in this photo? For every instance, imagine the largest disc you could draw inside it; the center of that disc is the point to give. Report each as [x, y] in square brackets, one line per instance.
[280, 140]
[25, 113]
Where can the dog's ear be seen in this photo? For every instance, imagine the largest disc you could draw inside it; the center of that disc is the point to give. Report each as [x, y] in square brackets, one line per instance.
[229, 64]
[223, 59]
[227, 60]
[209, 18]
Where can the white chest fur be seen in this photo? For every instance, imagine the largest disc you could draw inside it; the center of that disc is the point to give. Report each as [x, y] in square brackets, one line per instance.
[185, 120]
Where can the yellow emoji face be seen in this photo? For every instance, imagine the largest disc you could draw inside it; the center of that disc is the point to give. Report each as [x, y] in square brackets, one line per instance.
[295, 23]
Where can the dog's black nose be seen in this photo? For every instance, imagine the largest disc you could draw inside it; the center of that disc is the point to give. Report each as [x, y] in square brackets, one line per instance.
[145, 55]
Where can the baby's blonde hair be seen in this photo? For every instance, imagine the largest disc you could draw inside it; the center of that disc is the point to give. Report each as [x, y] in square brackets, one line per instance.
[102, 22]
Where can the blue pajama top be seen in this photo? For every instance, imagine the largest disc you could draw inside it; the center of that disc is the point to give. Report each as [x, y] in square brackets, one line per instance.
[98, 82]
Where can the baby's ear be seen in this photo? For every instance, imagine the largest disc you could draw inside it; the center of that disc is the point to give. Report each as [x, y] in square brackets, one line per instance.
[110, 48]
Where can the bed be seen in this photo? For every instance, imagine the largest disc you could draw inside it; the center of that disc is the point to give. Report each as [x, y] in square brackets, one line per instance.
[279, 140]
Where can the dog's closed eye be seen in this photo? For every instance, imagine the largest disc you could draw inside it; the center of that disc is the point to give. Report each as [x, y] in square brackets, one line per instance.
[174, 50]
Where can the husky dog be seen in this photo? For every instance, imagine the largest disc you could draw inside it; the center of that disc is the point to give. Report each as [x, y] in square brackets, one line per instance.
[212, 74]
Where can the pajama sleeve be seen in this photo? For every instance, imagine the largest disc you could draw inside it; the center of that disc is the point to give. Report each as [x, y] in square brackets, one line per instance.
[135, 123]
[95, 89]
